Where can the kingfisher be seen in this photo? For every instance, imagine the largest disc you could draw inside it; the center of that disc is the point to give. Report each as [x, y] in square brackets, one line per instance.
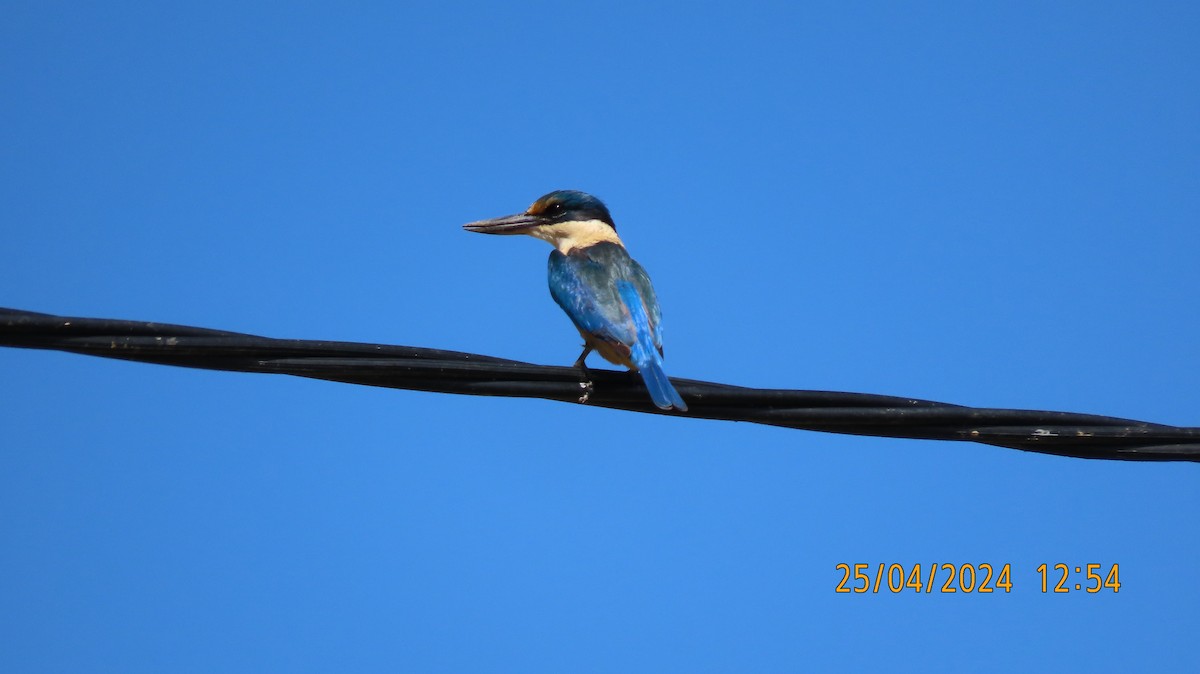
[606, 293]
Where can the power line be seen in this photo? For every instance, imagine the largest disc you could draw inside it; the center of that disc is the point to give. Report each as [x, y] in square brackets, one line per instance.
[407, 367]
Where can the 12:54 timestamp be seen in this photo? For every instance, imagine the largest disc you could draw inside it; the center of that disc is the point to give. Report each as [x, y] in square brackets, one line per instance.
[1091, 582]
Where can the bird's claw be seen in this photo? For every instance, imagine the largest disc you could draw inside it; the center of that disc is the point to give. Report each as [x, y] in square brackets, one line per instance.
[587, 388]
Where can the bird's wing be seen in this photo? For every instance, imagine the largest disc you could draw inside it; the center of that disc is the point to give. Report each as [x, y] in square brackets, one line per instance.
[641, 280]
[586, 290]
[646, 355]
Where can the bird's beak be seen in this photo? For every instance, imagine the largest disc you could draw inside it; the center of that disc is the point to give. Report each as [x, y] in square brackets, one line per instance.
[509, 224]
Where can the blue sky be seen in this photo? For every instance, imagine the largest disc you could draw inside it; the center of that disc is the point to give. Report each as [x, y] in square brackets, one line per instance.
[984, 204]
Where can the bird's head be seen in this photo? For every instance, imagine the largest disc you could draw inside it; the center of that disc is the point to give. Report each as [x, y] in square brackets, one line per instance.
[566, 218]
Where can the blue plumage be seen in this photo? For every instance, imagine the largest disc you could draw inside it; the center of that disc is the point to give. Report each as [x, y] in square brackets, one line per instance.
[607, 294]
[646, 352]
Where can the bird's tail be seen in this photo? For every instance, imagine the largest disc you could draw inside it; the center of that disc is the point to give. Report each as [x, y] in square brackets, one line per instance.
[661, 391]
[645, 355]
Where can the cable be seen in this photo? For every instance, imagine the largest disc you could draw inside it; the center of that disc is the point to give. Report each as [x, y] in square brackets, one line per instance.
[407, 367]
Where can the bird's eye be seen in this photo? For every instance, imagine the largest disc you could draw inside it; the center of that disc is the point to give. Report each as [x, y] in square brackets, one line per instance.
[554, 209]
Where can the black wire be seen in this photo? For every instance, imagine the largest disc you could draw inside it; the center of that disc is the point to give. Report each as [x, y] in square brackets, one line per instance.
[407, 367]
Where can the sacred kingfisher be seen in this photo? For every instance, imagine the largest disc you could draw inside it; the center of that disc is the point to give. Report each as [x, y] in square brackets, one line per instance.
[604, 291]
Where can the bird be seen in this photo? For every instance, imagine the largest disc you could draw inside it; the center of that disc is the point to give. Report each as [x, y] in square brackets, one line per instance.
[604, 291]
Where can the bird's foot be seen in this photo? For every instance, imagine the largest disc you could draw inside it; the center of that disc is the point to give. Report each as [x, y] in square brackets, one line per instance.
[586, 384]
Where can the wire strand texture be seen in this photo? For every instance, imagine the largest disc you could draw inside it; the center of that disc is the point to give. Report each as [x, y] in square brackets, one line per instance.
[405, 367]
